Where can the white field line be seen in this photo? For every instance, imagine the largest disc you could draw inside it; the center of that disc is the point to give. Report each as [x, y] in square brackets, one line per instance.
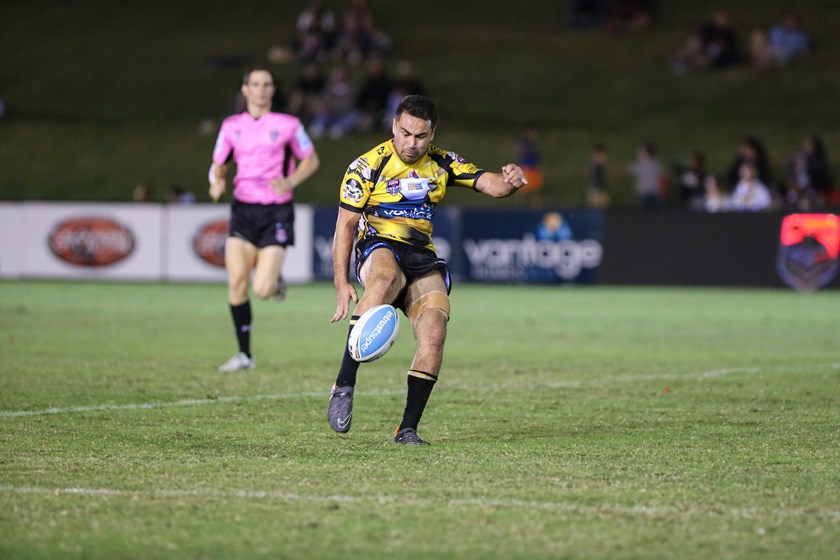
[569, 384]
[550, 505]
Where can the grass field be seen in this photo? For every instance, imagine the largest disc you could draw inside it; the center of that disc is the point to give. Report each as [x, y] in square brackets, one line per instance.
[584, 422]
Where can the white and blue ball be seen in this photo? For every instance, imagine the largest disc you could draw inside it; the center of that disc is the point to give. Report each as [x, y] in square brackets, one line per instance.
[374, 333]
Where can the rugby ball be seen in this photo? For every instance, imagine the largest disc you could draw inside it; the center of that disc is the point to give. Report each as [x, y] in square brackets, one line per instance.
[374, 333]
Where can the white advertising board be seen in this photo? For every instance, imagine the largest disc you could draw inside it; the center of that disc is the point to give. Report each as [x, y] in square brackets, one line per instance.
[92, 241]
[195, 239]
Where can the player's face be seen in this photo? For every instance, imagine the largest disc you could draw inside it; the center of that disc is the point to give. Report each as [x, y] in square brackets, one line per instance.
[412, 137]
[258, 90]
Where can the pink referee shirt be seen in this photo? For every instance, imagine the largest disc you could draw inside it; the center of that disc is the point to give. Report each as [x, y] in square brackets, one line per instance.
[259, 149]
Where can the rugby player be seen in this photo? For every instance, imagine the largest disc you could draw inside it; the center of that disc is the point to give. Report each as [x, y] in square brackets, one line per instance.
[387, 203]
[265, 146]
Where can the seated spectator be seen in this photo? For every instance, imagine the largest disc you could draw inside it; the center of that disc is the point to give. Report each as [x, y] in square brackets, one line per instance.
[143, 192]
[306, 91]
[809, 179]
[372, 97]
[648, 173]
[715, 197]
[314, 40]
[714, 45]
[781, 46]
[335, 113]
[176, 194]
[691, 178]
[752, 151]
[359, 36]
[751, 194]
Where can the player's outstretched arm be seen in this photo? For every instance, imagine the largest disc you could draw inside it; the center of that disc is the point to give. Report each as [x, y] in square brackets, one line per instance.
[345, 231]
[500, 185]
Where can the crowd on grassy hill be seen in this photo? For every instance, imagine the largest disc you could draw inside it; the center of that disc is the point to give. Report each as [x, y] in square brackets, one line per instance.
[328, 97]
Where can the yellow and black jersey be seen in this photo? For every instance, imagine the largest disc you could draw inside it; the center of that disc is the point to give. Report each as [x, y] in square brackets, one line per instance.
[397, 201]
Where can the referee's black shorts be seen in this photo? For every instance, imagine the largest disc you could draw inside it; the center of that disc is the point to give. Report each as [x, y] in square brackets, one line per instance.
[263, 225]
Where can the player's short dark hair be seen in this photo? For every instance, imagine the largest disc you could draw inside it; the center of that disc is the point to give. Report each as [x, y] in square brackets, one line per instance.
[258, 68]
[418, 106]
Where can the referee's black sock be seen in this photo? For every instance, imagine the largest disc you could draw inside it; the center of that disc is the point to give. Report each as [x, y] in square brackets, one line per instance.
[420, 385]
[349, 366]
[242, 324]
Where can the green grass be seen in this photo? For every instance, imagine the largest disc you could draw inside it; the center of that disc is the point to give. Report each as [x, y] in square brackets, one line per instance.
[102, 95]
[568, 422]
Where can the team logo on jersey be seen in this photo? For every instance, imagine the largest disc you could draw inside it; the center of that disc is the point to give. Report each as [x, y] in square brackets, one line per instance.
[274, 135]
[353, 190]
[393, 186]
[809, 247]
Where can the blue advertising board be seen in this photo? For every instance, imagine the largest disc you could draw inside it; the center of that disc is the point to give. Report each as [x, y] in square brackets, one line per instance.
[323, 223]
[531, 246]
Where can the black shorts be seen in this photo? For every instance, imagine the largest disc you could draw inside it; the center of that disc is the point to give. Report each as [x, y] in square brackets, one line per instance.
[415, 262]
[263, 225]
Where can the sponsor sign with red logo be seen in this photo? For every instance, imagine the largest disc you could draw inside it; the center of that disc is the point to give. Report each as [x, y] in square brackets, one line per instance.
[91, 241]
[209, 242]
[809, 245]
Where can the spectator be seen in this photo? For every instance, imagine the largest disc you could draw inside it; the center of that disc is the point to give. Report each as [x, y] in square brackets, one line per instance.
[359, 35]
[648, 174]
[597, 195]
[372, 98]
[314, 40]
[531, 163]
[714, 45]
[715, 198]
[691, 178]
[809, 175]
[751, 150]
[176, 194]
[307, 90]
[751, 194]
[143, 192]
[336, 112]
[781, 46]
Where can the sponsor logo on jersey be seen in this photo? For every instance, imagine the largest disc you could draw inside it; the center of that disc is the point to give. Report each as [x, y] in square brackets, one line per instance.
[209, 242]
[92, 241]
[273, 135]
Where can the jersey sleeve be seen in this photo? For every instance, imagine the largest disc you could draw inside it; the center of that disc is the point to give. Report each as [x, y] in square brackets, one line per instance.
[356, 185]
[224, 147]
[300, 143]
[459, 171]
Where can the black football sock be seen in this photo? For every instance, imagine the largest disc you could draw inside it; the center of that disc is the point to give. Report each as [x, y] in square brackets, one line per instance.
[420, 385]
[242, 324]
[349, 366]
